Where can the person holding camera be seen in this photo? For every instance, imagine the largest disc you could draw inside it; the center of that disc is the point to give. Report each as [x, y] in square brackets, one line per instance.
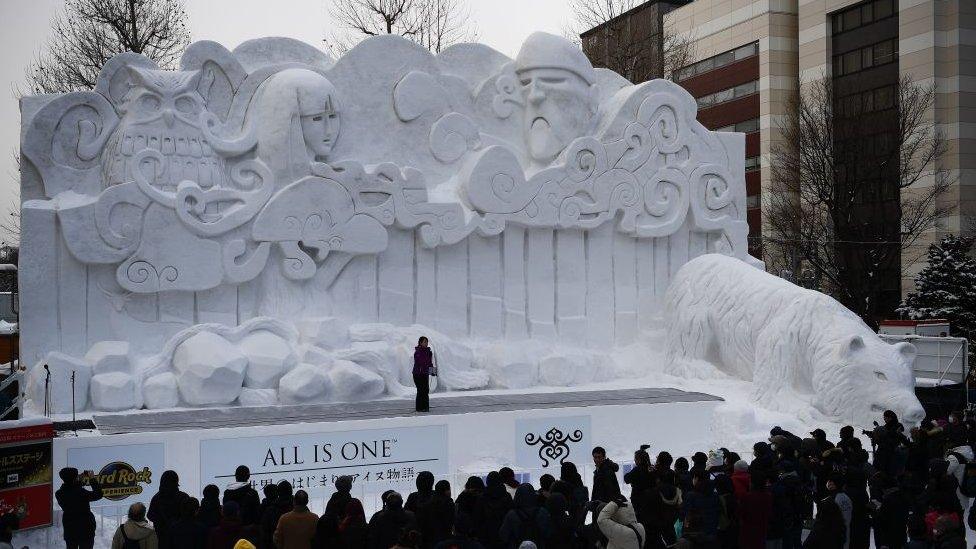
[75, 502]
[890, 445]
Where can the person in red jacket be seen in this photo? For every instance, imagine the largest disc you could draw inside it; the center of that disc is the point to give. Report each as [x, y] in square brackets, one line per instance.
[740, 477]
[754, 509]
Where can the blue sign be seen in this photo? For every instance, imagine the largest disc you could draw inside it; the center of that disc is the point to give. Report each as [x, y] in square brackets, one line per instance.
[314, 461]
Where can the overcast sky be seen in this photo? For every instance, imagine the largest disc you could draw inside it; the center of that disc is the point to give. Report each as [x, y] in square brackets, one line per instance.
[24, 27]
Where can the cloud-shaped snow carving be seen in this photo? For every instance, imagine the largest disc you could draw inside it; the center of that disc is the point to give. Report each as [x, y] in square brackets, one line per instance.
[312, 218]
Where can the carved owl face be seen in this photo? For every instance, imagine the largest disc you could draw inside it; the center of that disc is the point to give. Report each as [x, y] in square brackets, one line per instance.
[162, 111]
[170, 96]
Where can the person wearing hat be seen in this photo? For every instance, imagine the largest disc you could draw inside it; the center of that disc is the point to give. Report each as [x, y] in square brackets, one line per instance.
[822, 443]
[846, 438]
[327, 529]
[740, 477]
[386, 524]
[75, 502]
[559, 88]
[835, 489]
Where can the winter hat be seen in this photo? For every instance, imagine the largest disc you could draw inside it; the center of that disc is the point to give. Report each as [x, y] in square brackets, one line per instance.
[779, 441]
[68, 474]
[809, 446]
[244, 544]
[715, 459]
[527, 545]
[344, 483]
[741, 466]
[818, 434]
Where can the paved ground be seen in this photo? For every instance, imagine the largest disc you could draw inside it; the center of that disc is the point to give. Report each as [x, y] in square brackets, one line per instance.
[455, 403]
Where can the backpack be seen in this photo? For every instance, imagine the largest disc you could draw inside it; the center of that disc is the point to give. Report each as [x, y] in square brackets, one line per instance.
[128, 543]
[640, 540]
[528, 529]
[967, 485]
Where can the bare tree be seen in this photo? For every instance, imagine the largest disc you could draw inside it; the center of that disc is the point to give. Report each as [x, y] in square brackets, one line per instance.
[85, 36]
[434, 24]
[856, 179]
[89, 32]
[640, 46]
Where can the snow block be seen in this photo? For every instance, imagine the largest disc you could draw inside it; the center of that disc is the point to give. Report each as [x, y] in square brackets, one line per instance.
[269, 357]
[161, 391]
[566, 369]
[316, 356]
[377, 357]
[61, 366]
[326, 332]
[455, 366]
[210, 369]
[109, 356]
[305, 384]
[258, 397]
[511, 366]
[377, 331]
[352, 382]
[115, 391]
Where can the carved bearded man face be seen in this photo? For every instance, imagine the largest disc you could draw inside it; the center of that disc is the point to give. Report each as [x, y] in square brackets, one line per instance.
[559, 93]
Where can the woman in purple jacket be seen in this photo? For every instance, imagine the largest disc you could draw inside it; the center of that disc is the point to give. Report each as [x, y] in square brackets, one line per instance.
[423, 366]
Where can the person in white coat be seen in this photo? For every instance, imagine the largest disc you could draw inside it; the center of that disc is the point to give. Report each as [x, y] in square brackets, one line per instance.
[618, 522]
[957, 458]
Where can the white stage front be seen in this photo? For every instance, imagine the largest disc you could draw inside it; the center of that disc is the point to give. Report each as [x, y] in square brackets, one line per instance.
[387, 452]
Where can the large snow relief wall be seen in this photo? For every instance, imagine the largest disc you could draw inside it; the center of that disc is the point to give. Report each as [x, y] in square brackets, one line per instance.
[266, 225]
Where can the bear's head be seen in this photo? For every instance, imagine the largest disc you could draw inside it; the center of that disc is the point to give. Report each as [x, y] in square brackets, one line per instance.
[863, 376]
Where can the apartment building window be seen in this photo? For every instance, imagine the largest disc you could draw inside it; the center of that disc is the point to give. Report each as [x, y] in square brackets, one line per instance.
[861, 15]
[728, 94]
[752, 163]
[747, 126]
[865, 58]
[718, 61]
[878, 99]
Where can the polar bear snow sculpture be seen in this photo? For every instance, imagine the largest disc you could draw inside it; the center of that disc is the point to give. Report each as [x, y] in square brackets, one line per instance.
[759, 327]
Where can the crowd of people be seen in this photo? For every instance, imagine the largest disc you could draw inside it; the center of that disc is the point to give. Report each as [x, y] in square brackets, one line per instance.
[911, 491]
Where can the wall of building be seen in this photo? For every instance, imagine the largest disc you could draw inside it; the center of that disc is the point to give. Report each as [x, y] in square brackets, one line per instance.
[936, 45]
[718, 26]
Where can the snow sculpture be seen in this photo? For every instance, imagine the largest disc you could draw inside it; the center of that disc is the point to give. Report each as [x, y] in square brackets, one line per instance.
[483, 198]
[210, 370]
[115, 391]
[787, 340]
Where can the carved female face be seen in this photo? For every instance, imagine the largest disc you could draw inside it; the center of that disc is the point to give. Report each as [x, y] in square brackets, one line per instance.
[321, 129]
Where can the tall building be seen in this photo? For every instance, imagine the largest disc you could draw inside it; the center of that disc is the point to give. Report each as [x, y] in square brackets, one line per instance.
[632, 43]
[749, 58]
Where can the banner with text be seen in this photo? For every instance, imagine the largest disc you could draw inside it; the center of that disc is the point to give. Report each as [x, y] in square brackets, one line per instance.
[313, 461]
[126, 473]
[546, 442]
[26, 473]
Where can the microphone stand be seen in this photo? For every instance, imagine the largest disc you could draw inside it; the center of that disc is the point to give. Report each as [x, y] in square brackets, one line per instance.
[47, 391]
[74, 423]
